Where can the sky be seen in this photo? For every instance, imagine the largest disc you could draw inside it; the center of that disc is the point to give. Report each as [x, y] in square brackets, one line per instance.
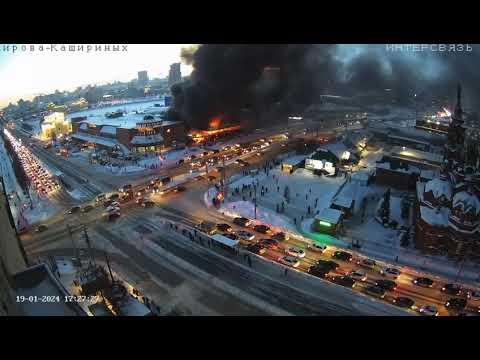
[24, 74]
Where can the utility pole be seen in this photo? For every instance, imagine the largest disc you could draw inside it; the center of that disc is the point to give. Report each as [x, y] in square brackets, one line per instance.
[108, 265]
[90, 249]
[77, 254]
[255, 200]
[224, 182]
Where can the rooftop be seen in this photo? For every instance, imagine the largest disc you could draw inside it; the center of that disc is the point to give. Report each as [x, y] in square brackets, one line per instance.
[403, 152]
[329, 215]
[38, 282]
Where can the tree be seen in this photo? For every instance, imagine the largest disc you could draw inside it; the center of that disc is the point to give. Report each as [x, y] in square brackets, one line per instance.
[385, 208]
[286, 193]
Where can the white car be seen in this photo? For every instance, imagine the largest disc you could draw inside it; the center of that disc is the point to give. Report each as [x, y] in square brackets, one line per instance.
[245, 235]
[296, 251]
[113, 209]
[289, 261]
[318, 247]
[391, 273]
[358, 275]
[429, 310]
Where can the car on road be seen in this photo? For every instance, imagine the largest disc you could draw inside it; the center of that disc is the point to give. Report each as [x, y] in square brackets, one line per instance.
[404, 302]
[359, 275]
[269, 244]
[263, 229]
[376, 291]
[41, 228]
[346, 281]
[257, 249]
[296, 251]
[125, 188]
[148, 204]
[100, 198]
[114, 196]
[113, 216]
[141, 192]
[241, 221]
[139, 200]
[428, 310]
[473, 295]
[74, 210]
[245, 235]
[289, 261]
[318, 271]
[207, 226]
[280, 236]
[388, 285]
[342, 255]
[423, 282]
[112, 208]
[224, 228]
[452, 289]
[318, 247]
[391, 273]
[456, 304]
[232, 236]
[367, 263]
[180, 188]
[87, 208]
[329, 264]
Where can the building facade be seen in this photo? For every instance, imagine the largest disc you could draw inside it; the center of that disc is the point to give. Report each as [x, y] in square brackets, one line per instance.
[55, 125]
[175, 74]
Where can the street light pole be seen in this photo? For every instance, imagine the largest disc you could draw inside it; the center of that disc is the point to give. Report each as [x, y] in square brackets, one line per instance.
[255, 201]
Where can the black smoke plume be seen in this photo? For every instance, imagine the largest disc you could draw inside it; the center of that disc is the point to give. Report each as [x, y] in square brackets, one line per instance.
[263, 83]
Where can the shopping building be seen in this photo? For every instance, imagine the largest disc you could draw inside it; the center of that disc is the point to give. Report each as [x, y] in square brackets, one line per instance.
[55, 126]
[138, 133]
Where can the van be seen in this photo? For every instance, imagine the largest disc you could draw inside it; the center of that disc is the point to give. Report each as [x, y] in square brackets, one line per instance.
[207, 227]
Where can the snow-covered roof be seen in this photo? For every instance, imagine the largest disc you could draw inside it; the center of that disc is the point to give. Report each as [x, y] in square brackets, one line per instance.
[294, 160]
[329, 215]
[438, 188]
[435, 217]
[427, 174]
[108, 129]
[361, 175]
[413, 154]
[466, 201]
[148, 139]
[84, 126]
[101, 141]
[343, 200]
[387, 166]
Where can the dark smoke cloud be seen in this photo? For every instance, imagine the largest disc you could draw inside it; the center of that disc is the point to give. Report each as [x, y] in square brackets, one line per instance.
[229, 78]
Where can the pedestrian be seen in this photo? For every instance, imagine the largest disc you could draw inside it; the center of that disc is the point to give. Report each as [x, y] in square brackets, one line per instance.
[295, 220]
[309, 209]
[396, 258]
[278, 188]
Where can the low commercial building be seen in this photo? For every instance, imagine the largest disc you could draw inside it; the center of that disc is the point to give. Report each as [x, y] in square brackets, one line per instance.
[138, 133]
[397, 174]
[329, 221]
[55, 126]
[422, 159]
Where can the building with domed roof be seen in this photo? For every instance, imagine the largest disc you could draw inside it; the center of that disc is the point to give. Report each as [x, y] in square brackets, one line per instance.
[448, 205]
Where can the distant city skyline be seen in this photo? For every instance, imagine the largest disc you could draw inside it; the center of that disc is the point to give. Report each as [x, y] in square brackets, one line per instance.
[27, 74]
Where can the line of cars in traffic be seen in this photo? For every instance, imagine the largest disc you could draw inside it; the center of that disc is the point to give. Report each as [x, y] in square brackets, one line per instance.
[322, 268]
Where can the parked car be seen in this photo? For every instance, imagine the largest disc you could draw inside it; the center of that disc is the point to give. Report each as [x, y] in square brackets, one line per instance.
[376, 291]
[114, 196]
[423, 282]
[296, 251]
[263, 229]
[100, 198]
[389, 285]
[428, 310]
[280, 236]
[224, 228]
[456, 304]
[358, 275]
[289, 261]
[318, 247]
[473, 295]
[452, 289]
[241, 221]
[139, 200]
[342, 255]
[403, 302]
[344, 281]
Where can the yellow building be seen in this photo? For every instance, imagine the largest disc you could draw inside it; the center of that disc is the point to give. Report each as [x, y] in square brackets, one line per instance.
[55, 125]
